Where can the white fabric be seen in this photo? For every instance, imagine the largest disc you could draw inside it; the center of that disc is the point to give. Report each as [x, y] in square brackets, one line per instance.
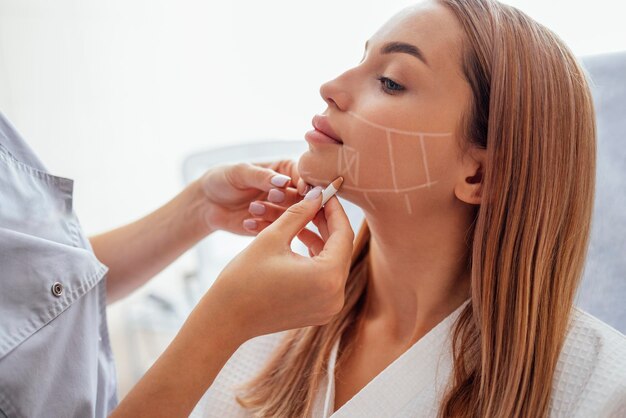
[590, 377]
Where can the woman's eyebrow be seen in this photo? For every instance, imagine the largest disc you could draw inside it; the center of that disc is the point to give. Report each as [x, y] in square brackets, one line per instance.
[402, 47]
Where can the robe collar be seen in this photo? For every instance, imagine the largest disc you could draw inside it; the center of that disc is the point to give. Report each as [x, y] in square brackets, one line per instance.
[413, 383]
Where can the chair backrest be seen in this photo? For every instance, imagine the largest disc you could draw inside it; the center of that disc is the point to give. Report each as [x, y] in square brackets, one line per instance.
[603, 290]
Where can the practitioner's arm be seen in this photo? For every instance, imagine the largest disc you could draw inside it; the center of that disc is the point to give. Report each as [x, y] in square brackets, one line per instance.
[265, 289]
[218, 200]
[177, 381]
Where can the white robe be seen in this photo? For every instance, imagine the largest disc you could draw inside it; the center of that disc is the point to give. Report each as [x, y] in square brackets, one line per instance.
[589, 381]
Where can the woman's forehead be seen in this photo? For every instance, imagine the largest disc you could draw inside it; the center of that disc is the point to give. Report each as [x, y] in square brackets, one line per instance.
[430, 26]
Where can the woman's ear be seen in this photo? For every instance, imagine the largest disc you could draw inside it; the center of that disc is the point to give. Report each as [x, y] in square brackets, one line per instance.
[469, 185]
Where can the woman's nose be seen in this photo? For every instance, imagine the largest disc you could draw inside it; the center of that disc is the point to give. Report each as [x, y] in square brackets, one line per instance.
[334, 94]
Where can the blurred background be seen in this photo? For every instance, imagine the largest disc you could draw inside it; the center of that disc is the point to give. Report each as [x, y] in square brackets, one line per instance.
[117, 95]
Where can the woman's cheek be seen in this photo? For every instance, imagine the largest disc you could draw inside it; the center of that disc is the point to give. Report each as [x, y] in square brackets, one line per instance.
[379, 163]
[396, 172]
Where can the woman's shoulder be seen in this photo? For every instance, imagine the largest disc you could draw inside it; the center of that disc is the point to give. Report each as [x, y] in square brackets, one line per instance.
[588, 331]
[242, 366]
[590, 376]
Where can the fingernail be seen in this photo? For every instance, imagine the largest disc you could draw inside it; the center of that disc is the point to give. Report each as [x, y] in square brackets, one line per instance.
[306, 189]
[301, 188]
[280, 180]
[249, 224]
[276, 196]
[256, 208]
[313, 193]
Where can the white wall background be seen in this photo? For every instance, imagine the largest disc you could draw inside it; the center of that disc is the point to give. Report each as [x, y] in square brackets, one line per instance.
[116, 93]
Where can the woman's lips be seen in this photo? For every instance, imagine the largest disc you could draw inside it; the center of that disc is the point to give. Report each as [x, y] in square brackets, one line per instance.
[319, 137]
[323, 132]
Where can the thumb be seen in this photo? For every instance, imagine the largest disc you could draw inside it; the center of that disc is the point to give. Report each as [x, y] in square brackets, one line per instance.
[244, 176]
[297, 216]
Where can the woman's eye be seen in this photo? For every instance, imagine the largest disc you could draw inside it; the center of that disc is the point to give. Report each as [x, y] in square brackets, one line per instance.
[389, 86]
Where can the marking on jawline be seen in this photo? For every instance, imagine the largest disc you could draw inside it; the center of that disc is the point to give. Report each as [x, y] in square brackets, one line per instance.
[360, 189]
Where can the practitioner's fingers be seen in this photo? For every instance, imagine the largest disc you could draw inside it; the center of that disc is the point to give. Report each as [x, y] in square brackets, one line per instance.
[255, 225]
[284, 229]
[320, 222]
[313, 242]
[244, 175]
[303, 187]
[284, 197]
[265, 213]
[286, 167]
[266, 210]
[340, 240]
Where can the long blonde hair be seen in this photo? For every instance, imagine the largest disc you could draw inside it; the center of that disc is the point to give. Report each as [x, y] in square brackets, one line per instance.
[532, 111]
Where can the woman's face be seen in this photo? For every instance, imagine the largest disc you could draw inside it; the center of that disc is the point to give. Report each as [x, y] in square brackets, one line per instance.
[396, 114]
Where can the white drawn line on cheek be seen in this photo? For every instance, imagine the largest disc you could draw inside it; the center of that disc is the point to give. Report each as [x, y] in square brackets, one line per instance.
[424, 159]
[356, 167]
[393, 165]
[388, 132]
[400, 190]
[348, 164]
[397, 131]
[367, 190]
[409, 209]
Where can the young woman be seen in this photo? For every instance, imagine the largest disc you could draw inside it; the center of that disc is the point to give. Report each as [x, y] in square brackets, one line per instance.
[467, 136]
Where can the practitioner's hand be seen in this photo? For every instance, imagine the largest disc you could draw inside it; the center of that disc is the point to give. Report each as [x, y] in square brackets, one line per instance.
[225, 192]
[263, 212]
[268, 288]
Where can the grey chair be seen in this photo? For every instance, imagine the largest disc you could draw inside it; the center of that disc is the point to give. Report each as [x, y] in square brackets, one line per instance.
[603, 289]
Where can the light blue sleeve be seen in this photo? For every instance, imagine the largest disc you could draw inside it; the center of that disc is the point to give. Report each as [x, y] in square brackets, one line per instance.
[55, 356]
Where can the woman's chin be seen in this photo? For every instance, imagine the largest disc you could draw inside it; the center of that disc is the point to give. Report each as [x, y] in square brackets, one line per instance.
[317, 170]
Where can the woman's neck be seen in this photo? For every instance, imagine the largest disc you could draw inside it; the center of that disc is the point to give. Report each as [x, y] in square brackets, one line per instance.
[419, 272]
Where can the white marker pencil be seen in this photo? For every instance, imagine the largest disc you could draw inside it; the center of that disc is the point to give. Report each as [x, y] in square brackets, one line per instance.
[332, 188]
